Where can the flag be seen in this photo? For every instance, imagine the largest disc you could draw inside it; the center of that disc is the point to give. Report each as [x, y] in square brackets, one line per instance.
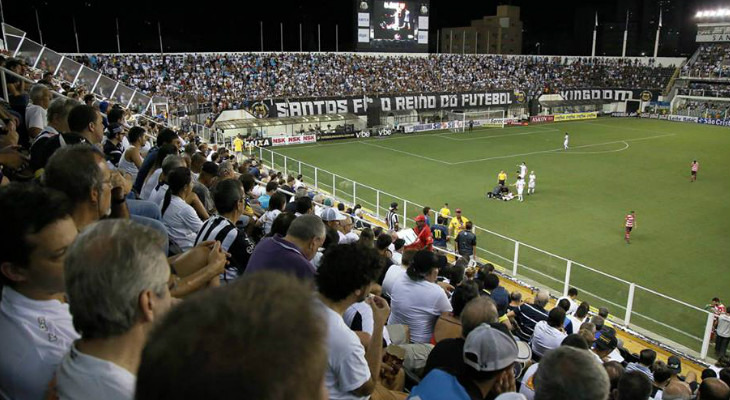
[596, 25]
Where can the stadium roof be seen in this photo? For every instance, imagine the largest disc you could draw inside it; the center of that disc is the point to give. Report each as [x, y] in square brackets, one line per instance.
[264, 122]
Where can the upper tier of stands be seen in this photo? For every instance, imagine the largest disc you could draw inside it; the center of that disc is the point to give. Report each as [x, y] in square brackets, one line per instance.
[234, 81]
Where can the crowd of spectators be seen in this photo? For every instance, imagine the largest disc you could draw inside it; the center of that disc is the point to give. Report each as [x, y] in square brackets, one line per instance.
[237, 80]
[208, 275]
[712, 61]
[704, 108]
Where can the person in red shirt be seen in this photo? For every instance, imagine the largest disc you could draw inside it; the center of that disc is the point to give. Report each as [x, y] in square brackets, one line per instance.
[630, 224]
[423, 231]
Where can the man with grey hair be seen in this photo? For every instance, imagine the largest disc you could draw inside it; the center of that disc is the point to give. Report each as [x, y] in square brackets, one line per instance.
[528, 315]
[57, 116]
[117, 281]
[291, 253]
[35, 113]
[570, 373]
[448, 353]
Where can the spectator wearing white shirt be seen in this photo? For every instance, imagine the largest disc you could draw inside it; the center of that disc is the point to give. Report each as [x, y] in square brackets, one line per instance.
[153, 179]
[276, 206]
[35, 113]
[416, 300]
[345, 231]
[36, 329]
[580, 316]
[345, 278]
[722, 334]
[548, 334]
[117, 281]
[179, 217]
[397, 272]
[572, 298]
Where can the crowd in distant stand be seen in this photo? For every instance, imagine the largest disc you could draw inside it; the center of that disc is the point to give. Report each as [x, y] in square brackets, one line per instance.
[713, 61]
[234, 81]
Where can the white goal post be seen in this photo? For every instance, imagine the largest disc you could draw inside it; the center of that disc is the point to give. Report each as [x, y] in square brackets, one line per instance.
[460, 121]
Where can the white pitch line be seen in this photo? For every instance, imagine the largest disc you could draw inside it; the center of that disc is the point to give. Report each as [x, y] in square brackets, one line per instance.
[405, 152]
[559, 149]
[626, 146]
[499, 136]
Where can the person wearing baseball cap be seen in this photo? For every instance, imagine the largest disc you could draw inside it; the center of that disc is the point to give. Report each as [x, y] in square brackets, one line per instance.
[332, 218]
[391, 217]
[605, 344]
[490, 354]
[423, 231]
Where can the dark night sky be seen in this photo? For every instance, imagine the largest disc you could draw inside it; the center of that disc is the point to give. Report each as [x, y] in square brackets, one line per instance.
[562, 27]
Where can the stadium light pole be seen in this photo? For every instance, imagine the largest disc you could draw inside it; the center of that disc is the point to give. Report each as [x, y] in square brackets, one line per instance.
[319, 38]
[626, 34]
[658, 30]
[476, 42]
[300, 37]
[38, 22]
[451, 42]
[76, 35]
[119, 47]
[463, 40]
[595, 31]
[438, 38]
[337, 38]
[261, 34]
[2, 14]
[281, 35]
[159, 32]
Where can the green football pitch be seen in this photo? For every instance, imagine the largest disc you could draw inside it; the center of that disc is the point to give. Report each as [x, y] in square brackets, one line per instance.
[680, 247]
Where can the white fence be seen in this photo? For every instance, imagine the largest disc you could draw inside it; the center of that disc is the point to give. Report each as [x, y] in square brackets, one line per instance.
[674, 322]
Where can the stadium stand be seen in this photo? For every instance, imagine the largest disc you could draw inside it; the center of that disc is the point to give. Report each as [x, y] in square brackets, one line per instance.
[66, 324]
[235, 81]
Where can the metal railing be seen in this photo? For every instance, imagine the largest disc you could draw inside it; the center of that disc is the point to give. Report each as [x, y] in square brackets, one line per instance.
[68, 71]
[671, 321]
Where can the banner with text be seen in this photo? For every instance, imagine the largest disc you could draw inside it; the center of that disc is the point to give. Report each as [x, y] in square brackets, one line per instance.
[275, 108]
[610, 94]
[290, 140]
[539, 119]
[575, 116]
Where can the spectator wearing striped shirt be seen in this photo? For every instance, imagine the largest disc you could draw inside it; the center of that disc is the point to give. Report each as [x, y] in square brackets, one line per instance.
[391, 218]
[528, 315]
[646, 360]
[230, 202]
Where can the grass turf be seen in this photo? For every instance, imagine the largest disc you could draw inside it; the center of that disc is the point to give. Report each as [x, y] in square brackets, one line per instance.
[680, 246]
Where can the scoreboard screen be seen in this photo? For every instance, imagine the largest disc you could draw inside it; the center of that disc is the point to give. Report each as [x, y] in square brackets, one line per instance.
[392, 26]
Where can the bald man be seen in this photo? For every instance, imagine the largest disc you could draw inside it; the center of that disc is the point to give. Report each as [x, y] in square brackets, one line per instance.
[713, 389]
[677, 391]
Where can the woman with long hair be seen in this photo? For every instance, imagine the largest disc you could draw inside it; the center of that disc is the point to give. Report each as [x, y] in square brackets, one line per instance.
[179, 217]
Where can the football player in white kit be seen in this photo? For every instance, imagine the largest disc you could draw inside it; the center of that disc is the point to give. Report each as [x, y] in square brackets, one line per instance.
[531, 183]
[520, 184]
[565, 142]
[523, 169]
